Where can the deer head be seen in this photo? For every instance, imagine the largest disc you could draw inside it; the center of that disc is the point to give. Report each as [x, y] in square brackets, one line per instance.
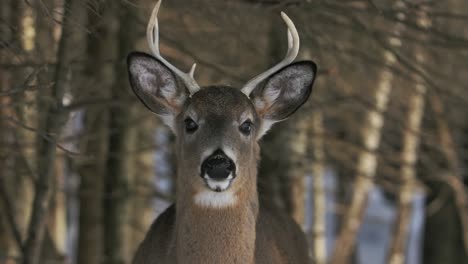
[218, 127]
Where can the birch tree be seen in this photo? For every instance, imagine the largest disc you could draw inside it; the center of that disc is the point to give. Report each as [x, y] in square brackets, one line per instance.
[367, 160]
[298, 167]
[319, 198]
[409, 155]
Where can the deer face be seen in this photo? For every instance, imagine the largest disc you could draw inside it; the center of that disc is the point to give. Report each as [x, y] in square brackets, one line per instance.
[217, 127]
[216, 136]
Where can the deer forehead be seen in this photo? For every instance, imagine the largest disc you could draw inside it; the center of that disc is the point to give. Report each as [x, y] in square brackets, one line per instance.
[220, 102]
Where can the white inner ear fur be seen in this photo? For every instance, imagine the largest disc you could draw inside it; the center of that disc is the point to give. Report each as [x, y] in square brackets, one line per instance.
[263, 102]
[168, 119]
[260, 104]
[296, 88]
[271, 94]
[153, 76]
[164, 82]
[265, 126]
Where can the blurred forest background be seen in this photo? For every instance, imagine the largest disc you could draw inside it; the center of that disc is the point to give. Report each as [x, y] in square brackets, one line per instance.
[374, 167]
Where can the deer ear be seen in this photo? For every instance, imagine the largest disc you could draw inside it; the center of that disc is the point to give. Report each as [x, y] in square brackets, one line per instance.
[283, 93]
[156, 86]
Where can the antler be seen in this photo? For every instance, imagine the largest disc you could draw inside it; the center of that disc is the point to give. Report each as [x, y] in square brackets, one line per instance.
[293, 49]
[152, 35]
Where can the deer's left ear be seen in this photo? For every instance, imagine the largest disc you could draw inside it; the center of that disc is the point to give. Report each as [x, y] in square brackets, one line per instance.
[283, 93]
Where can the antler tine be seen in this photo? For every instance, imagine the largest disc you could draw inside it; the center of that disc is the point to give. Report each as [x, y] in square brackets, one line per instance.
[293, 49]
[152, 35]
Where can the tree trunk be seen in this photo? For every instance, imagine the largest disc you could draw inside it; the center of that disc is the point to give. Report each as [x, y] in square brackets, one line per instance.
[102, 48]
[122, 141]
[45, 51]
[8, 246]
[142, 203]
[299, 130]
[367, 160]
[411, 138]
[443, 242]
[57, 222]
[452, 213]
[53, 123]
[319, 197]
[273, 180]
[297, 171]
[447, 145]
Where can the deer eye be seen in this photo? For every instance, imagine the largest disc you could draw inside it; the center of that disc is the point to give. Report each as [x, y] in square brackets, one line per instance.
[246, 127]
[190, 125]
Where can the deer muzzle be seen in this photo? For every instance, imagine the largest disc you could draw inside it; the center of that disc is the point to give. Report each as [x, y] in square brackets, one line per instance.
[218, 170]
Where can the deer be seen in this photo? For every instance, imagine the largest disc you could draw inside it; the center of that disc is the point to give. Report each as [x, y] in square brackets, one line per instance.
[218, 216]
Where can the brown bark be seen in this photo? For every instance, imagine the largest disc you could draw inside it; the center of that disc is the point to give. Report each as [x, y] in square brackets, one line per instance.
[120, 162]
[53, 122]
[25, 140]
[456, 181]
[15, 186]
[443, 223]
[57, 219]
[44, 49]
[273, 180]
[142, 202]
[102, 47]
[300, 138]
[7, 219]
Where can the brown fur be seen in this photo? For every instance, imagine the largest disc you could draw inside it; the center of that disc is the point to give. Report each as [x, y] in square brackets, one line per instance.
[247, 231]
[227, 236]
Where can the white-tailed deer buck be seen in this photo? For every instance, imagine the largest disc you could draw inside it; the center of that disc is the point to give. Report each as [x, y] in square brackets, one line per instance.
[217, 217]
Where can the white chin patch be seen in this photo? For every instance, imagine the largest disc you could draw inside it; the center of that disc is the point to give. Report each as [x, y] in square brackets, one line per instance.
[218, 185]
[211, 199]
[216, 196]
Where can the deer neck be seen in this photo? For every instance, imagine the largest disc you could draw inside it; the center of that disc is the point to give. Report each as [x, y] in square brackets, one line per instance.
[207, 234]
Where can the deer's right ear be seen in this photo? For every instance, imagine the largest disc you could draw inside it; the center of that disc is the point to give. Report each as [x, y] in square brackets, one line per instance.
[156, 86]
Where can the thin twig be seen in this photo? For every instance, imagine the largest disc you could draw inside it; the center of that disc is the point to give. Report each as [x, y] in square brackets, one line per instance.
[42, 134]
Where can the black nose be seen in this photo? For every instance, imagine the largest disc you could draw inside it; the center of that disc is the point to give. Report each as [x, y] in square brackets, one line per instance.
[218, 166]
